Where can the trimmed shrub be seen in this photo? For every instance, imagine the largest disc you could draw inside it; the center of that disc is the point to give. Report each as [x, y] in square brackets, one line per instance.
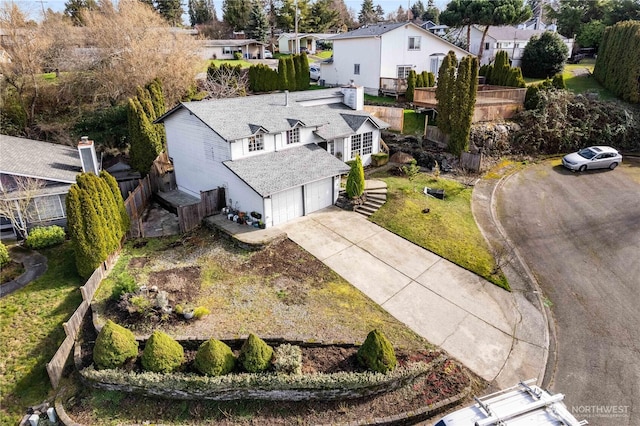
[125, 283]
[214, 358]
[287, 359]
[558, 82]
[4, 255]
[379, 159]
[114, 346]
[255, 354]
[355, 179]
[45, 236]
[237, 56]
[162, 354]
[376, 353]
[200, 312]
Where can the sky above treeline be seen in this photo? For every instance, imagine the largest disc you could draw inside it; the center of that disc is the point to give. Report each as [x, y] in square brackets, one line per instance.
[35, 7]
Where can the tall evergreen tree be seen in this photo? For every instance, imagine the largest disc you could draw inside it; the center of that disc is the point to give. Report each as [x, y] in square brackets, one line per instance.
[283, 73]
[201, 11]
[304, 71]
[444, 88]
[323, 17]
[258, 26]
[464, 94]
[74, 9]
[125, 221]
[146, 140]
[367, 13]
[411, 85]
[171, 10]
[432, 13]
[291, 74]
[236, 13]
[417, 9]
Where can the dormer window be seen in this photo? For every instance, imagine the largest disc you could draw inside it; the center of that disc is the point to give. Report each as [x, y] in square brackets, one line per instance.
[256, 142]
[293, 136]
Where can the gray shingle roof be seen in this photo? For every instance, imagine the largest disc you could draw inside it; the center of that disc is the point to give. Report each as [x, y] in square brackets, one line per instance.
[44, 160]
[370, 30]
[237, 118]
[277, 171]
[510, 33]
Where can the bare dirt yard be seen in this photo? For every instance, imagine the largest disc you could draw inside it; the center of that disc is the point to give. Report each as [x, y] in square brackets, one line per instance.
[278, 292]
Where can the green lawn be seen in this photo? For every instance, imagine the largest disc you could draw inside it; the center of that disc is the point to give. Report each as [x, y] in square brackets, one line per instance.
[413, 123]
[31, 331]
[449, 229]
[379, 99]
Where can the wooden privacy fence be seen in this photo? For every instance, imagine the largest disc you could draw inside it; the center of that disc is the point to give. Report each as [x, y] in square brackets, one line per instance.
[393, 116]
[469, 161]
[136, 203]
[55, 367]
[211, 202]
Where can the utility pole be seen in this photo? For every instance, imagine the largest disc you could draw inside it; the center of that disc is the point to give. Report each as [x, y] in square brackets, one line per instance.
[295, 19]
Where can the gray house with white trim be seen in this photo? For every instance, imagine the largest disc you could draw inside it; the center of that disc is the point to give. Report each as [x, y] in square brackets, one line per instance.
[281, 155]
[54, 165]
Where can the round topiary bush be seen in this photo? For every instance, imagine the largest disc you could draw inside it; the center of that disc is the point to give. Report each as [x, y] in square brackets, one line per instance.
[214, 358]
[376, 353]
[162, 354]
[255, 354]
[114, 346]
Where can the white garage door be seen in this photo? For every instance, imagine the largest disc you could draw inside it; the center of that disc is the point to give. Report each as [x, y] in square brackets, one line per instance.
[286, 205]
[318, 195]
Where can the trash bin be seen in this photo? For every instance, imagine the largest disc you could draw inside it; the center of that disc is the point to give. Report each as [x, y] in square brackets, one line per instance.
[321, 82]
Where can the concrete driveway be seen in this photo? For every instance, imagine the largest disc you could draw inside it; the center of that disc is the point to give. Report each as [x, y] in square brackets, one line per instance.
[498, 336]
[580, 235]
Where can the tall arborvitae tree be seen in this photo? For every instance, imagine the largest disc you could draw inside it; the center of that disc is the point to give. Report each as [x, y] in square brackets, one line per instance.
[305, 78]
[258, 26]
[171, 10]
[146, 140]
[446, 82]
[464, 95]
[355, 179]
[282, 73]
[411, 85]
[201, 12]
[125, 221]
[291, 74]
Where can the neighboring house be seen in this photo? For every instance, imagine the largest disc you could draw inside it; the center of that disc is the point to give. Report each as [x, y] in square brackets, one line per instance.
[225, 49]
[56, 166]
[508, 38]
[287, 42]
[278, 154]
[384, 51]
[439, 30]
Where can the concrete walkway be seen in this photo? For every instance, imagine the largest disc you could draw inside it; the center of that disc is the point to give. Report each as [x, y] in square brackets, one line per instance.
[497, 334]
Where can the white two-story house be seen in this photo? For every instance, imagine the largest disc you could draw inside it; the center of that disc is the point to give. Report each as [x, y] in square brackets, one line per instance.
[281, 155]
[384, 51]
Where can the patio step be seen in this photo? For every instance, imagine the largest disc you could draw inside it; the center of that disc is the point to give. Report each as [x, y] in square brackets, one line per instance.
[376, 198]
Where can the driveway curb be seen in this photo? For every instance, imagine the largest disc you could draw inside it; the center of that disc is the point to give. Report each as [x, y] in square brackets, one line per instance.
[548, 365]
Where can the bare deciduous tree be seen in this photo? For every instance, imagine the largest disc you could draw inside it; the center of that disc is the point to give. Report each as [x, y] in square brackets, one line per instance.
[16, 201]
[227, 84]
[130, 45]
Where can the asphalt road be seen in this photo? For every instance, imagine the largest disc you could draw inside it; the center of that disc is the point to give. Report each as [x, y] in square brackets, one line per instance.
[580, 235]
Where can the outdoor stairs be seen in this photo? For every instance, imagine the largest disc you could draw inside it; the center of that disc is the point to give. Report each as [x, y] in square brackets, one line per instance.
[375, 194]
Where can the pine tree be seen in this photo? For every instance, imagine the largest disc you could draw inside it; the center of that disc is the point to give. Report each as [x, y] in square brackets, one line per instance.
[236, 13]
[171, 10]
[201, 12]
[258, 26]
[367, 13]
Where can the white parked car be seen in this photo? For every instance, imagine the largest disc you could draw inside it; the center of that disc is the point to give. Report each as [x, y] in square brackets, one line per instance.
[314, 72]
[268, 54]
[595, 157]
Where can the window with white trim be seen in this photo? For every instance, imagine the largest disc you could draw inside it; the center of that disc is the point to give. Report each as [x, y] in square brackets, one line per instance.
[403, 70]
[367, 143]
[356, 69]
[293, 136]
[256, 142]
[414, 43]
[48, 207]
[356, 145]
